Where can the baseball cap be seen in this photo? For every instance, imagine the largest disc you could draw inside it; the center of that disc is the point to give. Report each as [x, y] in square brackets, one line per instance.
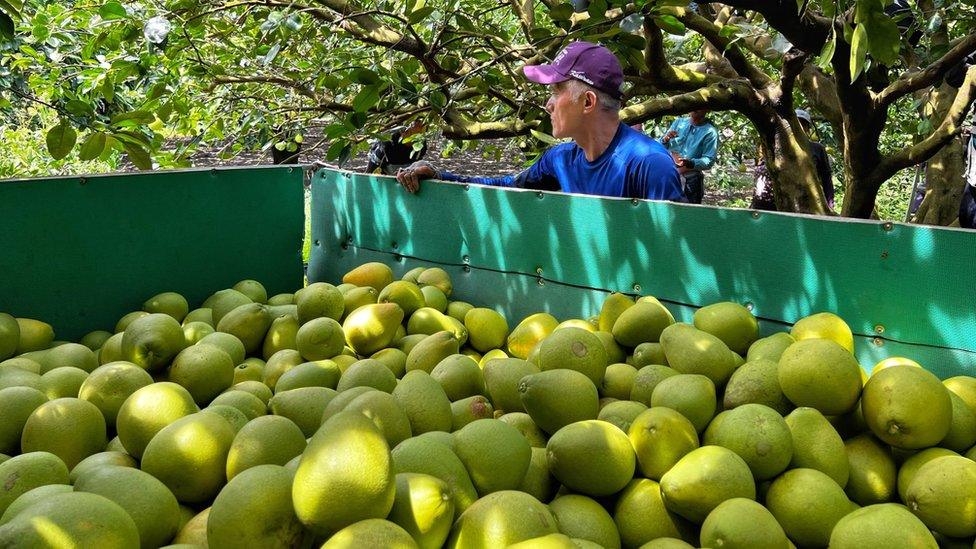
[591, 63]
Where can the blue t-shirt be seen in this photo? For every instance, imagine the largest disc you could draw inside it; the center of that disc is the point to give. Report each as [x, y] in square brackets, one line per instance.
[633, 166]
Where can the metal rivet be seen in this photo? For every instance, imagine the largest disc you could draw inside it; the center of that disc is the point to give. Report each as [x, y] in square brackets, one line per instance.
[884, 254]
[397, 257]
[538, 271]
[213, 171]
[317, 243]
[467, 187]
[634, 201]
[878, 341]
[637, 288]
[887, 226]
[541, 282]
[466, 269]
[291, 170]
[466, 259]
[349, 240]
[83, 181]
[394, 245]
[539, 195]
[755, 215]
[879, 329]
[750, 306]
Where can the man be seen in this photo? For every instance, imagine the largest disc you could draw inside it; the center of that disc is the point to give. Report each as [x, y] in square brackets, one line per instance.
[606, 157]
[967, 210]
[390, 156]
[820, 159]
[693, 143]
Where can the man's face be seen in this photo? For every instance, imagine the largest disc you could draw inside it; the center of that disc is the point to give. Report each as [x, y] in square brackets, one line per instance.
[565, 112]
[699, 116]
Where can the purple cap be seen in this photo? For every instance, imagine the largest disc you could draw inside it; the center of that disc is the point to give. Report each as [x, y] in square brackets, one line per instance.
[584, 61]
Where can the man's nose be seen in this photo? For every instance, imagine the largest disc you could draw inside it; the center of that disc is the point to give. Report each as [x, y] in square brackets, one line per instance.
[549, 104]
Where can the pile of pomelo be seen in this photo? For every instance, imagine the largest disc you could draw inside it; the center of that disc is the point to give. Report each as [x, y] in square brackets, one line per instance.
[382, 413]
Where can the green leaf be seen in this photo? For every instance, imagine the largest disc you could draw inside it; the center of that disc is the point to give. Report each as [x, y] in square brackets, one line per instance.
[438, 100]
[421, 14]
[884, 38]
[112, 10]
[544, 137]
[108, 88]
[670, 24]
[138, 155]
[365, 76]
[597, 10]
[156, 92]
[78, 107]
[6, 26]
[562, 12]
[369, 96]
[827, 54]
[828, 8]
[272, 53]
[60, 140]
[92, 147]
[859, 51]
[133, 118]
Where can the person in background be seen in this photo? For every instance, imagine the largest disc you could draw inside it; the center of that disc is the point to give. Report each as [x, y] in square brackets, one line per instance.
[693, 142]
[762, 196]
[605, 158]
[967, 210]
[390, 156]
[820, 159]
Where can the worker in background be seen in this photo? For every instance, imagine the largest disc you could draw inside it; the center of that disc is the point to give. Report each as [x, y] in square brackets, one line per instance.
[693, 142]
[820, 159]
[606, 157]
[389, 156]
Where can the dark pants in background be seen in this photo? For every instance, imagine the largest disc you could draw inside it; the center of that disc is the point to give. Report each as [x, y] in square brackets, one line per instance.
[693, 184]
[967, 211]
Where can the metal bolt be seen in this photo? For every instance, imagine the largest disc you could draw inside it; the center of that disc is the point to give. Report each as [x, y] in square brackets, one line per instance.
[887, 226]
[213, 171]
[637, 288]
[397, 257]
[879, 329]
[634, 201]
[884, 254]
[317, 243]
[755, 215]
[750, 306]
[466, 259]
[878, 342]
[539, 195]
[466, 269]
[291, 170]
[83, 181]
[541, 282]
[467, 187]
[538, 271]
[394, 245]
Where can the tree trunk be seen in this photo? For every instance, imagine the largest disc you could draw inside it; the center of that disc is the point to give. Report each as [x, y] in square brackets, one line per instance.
[943, 173]
[861, 156]
[796, 187]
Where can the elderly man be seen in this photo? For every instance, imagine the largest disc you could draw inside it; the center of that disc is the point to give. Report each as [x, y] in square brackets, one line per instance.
[605, 158]
[693, 143]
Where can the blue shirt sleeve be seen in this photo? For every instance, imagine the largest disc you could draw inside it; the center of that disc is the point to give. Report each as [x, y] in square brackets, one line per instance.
[540, 175]
[674, 126]
[708, 151]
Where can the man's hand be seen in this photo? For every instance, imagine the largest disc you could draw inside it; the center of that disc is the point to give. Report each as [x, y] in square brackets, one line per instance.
[411, 176]
[669, 136]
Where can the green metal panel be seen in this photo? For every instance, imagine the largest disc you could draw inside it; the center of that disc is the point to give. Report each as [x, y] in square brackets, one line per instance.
[903, 289]
[79, 252]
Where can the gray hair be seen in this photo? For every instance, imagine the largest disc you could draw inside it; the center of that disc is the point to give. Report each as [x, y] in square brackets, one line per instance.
[608, 103]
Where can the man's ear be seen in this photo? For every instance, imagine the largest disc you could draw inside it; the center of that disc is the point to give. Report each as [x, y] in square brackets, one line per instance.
[589, 100]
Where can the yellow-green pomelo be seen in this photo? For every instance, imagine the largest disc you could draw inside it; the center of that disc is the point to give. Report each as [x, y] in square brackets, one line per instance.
[538, 482]
[148, 501]
[372, 327]
[356, 298]
[574, 349]
[460, 376]
[881, 526]
[523, 422]
[646, 381]
[692, 351]
[692, 395]
[483, 360]
[69, 428]
[582, 517]
[341, 400]
[127, 319]
[962, 431]
[320, 373]
[17, 404]
[427, 456]
[621, 413]
[424, 507]
[147, 410]
[252, 289]
[756, 382]
[248, 403]
[229, 343]
[758, 434]
[427, 320]
[412, 274]
[101, 460]
[642, 322]
[282, 299]
[502, 377]
[424, 401]
[734, 324]
[911, 466]
[31, 497]
[319, 300]
[256, 388]
[27, 471]
[303, 406]
[435, 276]
[199, 315]
[816, 445]
[528, 333]
[375, 275]
[194, 531]
[495, 454]
[231, 415]
[111, 350]
[17, 377]
[457, 309]
[22, 364]
[820, 374]
[615, 353]
[430, 351]
[74, 519]
[613, 306]
[371, 533]
[741, 522]
[281, 334]
[556, 398]
[943, 495]
[249, 323]
[591, 457]
[501, 519]
[384, 411]
[267, 440]
[34, 335]
[189, 456]
[618, 381]
[487, 329]
[394, 359]
[64, 354]
[345, 475]
[824, 326]
[204, 371]
[769, 348]
[195, 331]
[873, 477]
[964, 387]
[255, 511]
[223, 302]
[703, 479]
[470, 409]
[641, 516]
[648, 353]
[169, 303]
[405, 294]
[667, 543]
[320, 338]
[279, 363]
[9, 336]
[807, 504]
[152, 341]
[907, 407]
[367, 373]
[661, 437]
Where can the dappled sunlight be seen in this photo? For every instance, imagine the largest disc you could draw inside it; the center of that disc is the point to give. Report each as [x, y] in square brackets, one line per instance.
[52, 534]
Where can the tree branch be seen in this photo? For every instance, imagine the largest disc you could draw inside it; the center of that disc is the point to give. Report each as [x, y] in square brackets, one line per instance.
[725, 95]
[807, 31]
[279, 80]
[917, 80]
[661, 74]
